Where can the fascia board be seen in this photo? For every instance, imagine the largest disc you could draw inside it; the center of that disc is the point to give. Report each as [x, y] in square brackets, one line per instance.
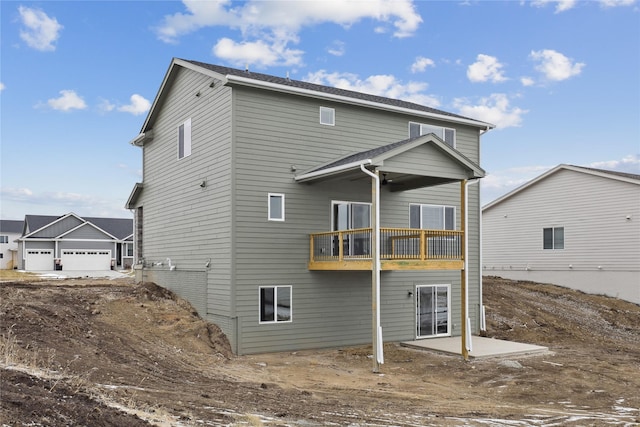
[176, 62]
[522, 187]
[135, 193]
[331, 171]
[348, 100]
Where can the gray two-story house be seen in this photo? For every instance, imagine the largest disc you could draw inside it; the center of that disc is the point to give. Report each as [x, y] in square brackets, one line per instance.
[297, 216]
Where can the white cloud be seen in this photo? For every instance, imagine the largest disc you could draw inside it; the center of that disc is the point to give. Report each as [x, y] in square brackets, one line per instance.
[486, 68]
[69, 100]
[2, 86]
[105, 106]
[554, 65]
[40, 31]
[421, 64]
[527, 81]
[382, 85]
[337, 48]
[20, 200]
[561, 5]
[256, 53]
[617, 3]
[629, 164]
[268, 27]
[139, 105]
[494, 109]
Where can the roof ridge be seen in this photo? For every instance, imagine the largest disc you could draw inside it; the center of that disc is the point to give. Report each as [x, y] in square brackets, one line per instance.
[301, 84]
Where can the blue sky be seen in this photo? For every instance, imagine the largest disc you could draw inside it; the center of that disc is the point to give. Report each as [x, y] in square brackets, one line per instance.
[559, 79]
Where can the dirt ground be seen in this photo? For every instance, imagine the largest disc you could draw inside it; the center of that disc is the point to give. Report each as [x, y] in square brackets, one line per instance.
[116, 353]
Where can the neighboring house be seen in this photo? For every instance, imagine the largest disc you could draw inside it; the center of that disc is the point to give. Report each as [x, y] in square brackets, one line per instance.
[258, 205]
[71, 242]
[572, 226]
[9, 231]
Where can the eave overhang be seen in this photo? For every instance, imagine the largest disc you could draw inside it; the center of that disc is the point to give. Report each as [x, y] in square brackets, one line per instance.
[133, 197]
[383, 159]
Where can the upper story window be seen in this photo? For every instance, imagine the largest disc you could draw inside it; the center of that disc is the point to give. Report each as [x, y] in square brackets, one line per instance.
[553, 238]
[4, 239]
[276, 207]
[184, 139]
[432, 217]
[448, 135]
[327, 116]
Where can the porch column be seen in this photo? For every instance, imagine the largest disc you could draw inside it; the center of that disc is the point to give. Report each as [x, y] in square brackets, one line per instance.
[376, 330]
[463, 272]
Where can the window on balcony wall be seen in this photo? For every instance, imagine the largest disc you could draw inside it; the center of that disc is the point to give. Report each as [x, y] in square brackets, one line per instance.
[432, 217]
[184, 139]
[275, 304]
[448, 135]
[553, 238]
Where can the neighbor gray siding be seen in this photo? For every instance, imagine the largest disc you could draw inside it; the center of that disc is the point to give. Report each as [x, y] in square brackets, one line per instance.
[60, 227]
[598, 237]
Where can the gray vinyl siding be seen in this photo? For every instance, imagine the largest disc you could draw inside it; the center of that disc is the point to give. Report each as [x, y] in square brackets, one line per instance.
[87, 232]
[60, 227]
[183, 221]
[329, 308]
[592, 209]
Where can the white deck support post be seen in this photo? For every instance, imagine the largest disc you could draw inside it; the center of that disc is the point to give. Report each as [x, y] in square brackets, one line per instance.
[378, 352]
[463, 275]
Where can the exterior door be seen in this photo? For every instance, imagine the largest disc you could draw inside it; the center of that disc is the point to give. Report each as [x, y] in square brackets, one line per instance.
[432, 311]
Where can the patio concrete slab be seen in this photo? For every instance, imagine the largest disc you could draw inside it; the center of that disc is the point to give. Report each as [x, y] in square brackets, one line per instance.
[481, 347]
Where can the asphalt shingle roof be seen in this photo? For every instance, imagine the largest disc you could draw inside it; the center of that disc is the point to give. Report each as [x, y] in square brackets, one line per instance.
[323, 89]
[11, 226]
[120, 228]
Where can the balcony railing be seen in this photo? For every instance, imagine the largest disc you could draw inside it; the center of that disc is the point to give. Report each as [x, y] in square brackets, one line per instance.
[400, 249]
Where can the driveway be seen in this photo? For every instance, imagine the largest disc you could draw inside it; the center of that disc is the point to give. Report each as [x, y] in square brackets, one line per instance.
[91, 274]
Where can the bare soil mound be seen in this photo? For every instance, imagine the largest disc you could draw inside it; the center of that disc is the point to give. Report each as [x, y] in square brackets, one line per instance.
[116, 353]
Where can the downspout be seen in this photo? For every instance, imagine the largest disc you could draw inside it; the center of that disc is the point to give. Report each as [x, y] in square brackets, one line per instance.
[467, 322]
[378, 352]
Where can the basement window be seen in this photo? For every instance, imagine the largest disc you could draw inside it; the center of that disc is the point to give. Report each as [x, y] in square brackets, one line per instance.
[275, 304]
[553, 238]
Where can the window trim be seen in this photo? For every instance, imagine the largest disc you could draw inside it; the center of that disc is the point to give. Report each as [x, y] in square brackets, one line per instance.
[333, 116]
[443, 136]
[444, 216]
[275, 299]
[282, 205]
[184, 139]
[4, 239]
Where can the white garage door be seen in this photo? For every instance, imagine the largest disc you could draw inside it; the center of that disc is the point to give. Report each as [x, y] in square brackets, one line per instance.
[39, 259]
[85, 259]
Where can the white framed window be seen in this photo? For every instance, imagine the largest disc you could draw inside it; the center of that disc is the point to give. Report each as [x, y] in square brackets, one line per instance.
[448, 135]
[184, 139]
[276, 207]
[275, 304]
[553, 238]
[432, 217]
[327, 116]
[4, 239]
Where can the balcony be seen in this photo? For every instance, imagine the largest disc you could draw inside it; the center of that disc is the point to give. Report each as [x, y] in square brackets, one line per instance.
[400, 249]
